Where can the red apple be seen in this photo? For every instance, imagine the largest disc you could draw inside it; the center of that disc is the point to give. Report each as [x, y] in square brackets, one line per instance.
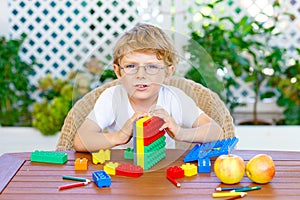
[260, 169]
[229, 168]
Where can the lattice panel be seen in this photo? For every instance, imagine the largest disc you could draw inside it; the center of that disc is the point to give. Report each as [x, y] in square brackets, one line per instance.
[62, 35]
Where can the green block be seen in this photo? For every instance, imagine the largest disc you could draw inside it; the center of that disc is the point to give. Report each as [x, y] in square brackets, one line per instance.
[150, 159]
[128, 153]
[49, 157]
[156, 145]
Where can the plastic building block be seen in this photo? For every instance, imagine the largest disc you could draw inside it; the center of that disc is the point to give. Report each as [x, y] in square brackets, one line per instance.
[81, 164]
[153, 153]
[151, 130]
[110, 168]
[101, 178]
[128, 153]
[193, 154]
[207, 150]
[101, 156]
[175, 172]
[129, 170]
[189, 169]
[149, 142]
[152, 158]
[49, 157]
[221, 147]
[204, 165]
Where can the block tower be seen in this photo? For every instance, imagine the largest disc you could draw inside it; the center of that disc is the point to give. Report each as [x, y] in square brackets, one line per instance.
[149, 143]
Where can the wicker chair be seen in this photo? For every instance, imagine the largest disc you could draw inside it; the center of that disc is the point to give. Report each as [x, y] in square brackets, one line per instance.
[207, 100]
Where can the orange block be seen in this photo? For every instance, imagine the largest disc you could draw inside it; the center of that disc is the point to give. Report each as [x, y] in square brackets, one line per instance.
[81, 164]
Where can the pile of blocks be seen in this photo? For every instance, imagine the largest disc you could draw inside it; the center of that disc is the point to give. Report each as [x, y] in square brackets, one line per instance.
[149, 143]
[203, 152]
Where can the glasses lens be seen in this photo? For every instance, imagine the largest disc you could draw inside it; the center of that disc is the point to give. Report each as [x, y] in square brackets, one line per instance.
[152, 69]
[130, 69]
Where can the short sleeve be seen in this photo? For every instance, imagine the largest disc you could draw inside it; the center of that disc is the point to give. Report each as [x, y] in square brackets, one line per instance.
[183, 108]
[102, 113]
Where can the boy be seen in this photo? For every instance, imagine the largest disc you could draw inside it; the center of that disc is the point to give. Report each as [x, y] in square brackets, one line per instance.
[144, 59]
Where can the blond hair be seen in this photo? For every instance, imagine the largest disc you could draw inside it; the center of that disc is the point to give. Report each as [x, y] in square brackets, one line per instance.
[146, 37]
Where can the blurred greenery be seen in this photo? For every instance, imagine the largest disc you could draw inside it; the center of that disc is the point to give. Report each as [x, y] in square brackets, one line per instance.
[288, 87]
[15, 87]
[59, 95]
[240, 49]
[49, 114]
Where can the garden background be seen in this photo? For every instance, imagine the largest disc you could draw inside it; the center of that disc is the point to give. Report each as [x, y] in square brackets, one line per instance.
[73, 40]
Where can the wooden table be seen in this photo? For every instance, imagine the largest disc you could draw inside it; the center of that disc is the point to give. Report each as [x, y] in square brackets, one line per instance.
[22, 179]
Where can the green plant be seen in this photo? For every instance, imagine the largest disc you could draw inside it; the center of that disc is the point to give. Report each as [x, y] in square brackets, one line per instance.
[288, 86]
[15, 86]
[59, 95]
[49, 114]
[242, 49]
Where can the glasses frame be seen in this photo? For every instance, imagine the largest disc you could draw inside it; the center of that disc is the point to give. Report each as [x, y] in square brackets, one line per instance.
[159, 67]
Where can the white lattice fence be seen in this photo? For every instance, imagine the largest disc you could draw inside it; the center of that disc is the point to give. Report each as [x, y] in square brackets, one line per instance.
[62, 35]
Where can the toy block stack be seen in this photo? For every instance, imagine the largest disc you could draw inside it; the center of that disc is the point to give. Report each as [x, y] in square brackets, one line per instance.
[149, 143]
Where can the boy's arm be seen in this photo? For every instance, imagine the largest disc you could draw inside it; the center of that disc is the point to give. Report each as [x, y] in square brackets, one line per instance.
[90, 137]
[204, 128]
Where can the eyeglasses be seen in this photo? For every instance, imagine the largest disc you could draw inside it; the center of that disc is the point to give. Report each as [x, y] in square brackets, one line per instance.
[149, 69]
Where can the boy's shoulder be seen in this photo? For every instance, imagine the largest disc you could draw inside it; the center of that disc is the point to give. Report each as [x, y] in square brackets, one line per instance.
[173, 90]
[114, 88]
[113, 91]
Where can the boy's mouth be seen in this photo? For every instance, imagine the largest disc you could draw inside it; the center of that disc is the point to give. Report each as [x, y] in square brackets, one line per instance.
[141, 86]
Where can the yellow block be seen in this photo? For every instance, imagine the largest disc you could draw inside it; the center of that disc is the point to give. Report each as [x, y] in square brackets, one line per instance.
[140, 140]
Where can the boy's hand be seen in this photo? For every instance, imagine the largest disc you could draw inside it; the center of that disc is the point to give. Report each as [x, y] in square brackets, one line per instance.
[170, 126]
[125, 134]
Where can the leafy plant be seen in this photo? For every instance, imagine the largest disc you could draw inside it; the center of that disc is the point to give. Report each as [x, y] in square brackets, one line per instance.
[288, 86]
[49, 114]
[242, 49]
[59, 95]
[15, 86]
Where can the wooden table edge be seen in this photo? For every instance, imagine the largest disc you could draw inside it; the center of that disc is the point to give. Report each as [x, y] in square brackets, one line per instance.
[11, 164]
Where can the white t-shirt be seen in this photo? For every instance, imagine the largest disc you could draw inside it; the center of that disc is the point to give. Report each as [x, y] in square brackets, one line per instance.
[112, 109]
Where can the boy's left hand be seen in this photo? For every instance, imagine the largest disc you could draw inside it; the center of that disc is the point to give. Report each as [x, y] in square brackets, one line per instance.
[170, 126]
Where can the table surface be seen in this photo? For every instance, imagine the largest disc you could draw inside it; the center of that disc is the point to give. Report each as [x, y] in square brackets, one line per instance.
[22, 179]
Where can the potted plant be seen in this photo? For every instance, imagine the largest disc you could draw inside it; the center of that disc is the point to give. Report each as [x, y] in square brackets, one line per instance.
[15, 86]
[241, 49]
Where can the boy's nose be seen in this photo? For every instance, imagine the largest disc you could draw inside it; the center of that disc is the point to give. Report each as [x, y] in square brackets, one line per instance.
[141, 71]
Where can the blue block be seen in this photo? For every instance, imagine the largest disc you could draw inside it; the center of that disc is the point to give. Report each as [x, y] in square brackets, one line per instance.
[222, 147]
[204, 165]
[211, 149]
[101, 178]
[193, 154]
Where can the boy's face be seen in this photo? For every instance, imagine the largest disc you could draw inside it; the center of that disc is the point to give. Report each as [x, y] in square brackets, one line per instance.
[142, 85]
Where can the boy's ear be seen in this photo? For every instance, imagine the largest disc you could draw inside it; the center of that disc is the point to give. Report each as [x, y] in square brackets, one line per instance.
[117, 71]
[169, 73]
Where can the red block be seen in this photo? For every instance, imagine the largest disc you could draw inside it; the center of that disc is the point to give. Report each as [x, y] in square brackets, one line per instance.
[129, 170]
[151, 130]
[175, 172]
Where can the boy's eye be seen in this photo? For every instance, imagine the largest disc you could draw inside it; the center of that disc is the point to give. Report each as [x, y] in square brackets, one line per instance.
[130, 66]
[152, 66]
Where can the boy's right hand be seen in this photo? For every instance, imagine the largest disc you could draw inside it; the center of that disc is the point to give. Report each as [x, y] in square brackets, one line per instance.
[125, 134]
